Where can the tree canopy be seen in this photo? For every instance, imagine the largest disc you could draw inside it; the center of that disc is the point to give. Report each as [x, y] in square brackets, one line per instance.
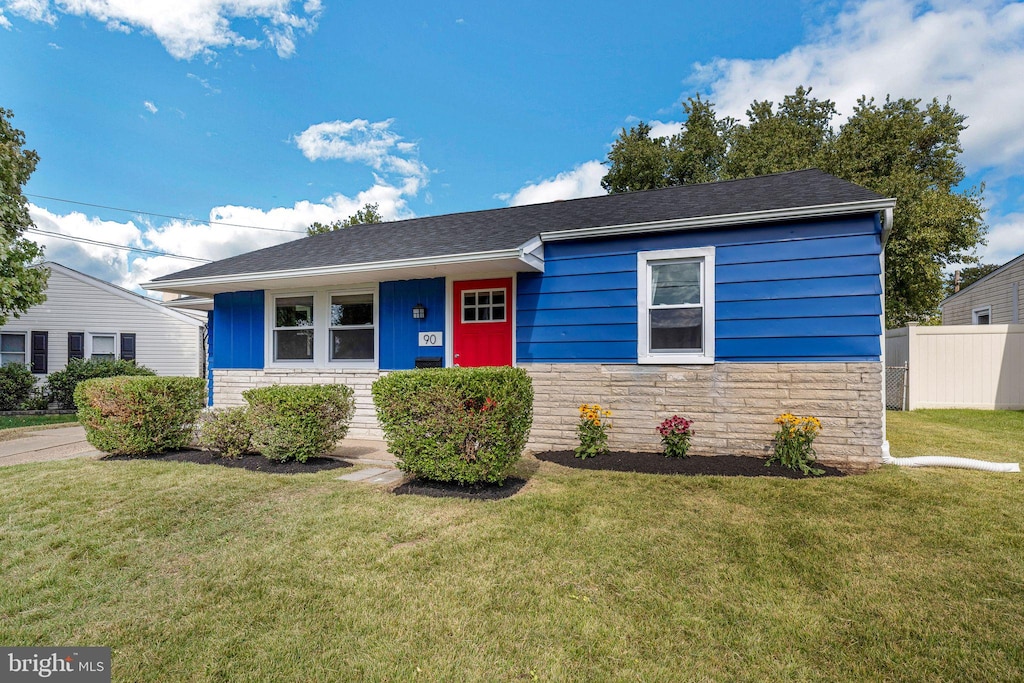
[900, 148]
[21, 287]
[968, 276]
[367, 214]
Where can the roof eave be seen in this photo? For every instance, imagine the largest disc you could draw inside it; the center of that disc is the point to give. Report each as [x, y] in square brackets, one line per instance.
[518, 259]
[724, 220]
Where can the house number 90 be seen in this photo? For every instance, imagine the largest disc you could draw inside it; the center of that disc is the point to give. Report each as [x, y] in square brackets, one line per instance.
[431, 339]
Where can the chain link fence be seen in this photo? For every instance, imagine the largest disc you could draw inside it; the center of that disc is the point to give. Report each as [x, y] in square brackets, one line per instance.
[896, 387]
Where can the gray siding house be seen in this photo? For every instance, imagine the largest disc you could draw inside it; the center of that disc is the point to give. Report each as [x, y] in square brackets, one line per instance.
[993, 300]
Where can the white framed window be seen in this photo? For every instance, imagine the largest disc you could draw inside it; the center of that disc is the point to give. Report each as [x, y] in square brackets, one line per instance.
[103, 346]
[981, 316]
[352, 326]
[484, 305]
[293, 338]
[13, 348]
[676, 306]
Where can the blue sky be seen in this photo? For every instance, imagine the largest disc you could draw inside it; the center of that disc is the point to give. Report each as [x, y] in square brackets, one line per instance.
[273, 114]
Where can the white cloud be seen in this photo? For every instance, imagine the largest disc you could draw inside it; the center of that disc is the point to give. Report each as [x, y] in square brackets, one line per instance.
[665, 129]
[1005, 239]
[205, 83]
[972, 50]
[373, 144]
[582, 181]
[187, 28]
[187, 238]
[150, 107]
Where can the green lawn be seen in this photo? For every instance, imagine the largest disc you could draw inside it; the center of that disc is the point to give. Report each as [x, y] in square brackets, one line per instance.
[12, 421]
[195, 573]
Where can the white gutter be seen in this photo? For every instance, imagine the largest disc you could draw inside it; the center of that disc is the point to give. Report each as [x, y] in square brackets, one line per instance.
[703, 222]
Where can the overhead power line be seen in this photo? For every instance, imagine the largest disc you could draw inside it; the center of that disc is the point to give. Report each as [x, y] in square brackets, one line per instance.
[111, 245]
[164, 215]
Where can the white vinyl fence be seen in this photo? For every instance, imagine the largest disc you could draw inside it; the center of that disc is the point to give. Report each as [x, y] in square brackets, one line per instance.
[955, 366]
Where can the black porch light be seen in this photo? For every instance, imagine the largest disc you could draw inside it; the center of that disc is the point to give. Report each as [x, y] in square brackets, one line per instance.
[419, 312]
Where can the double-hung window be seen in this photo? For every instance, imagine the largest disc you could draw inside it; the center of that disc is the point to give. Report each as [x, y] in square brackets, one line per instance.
[981, 316]
[676, 306]
[293, 328]
[352, 327]
[13, 348]
[103, 346]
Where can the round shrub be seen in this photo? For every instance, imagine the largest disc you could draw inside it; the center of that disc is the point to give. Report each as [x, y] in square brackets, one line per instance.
[140, 415]
[61, 385]
[467, 425]
[227, 431]
[16, 382]
[299, 421]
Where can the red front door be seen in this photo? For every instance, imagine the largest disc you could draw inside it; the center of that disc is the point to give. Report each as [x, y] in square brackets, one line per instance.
[483, 323]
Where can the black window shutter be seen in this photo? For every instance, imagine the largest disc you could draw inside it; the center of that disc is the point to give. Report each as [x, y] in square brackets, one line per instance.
[76, 345]
[128, 346]
[40, 352]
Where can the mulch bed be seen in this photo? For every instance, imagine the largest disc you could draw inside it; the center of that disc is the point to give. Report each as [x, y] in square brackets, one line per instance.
[658, 463]
[253, 463]
[441, 489]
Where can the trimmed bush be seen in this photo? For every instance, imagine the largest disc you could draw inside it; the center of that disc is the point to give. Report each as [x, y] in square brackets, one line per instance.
[140, 415]
[227, 431]
[467, 425]
[16, 382]
[61, 385]
[299, 421]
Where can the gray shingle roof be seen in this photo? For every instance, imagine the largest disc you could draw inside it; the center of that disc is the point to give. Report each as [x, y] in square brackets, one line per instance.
[508, 228]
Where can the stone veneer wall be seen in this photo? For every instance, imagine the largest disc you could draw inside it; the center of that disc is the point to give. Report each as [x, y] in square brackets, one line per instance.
[733, 405]
[228, 386]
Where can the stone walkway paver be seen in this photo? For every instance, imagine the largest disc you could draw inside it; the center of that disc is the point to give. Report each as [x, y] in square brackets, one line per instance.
[374, 475]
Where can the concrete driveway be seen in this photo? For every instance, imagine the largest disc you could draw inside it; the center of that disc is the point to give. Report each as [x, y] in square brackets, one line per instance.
[41, 445]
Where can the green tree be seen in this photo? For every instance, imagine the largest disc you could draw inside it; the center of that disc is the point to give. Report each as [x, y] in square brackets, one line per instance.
[697, 153]
[798, 135]
[637, 162]
[21, 286]
[904, 150]
[367, 214]
[968, 276]
[899, 149]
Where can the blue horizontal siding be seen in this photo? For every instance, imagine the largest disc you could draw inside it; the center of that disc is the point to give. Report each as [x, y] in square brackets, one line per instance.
[802, 307]
[798, 348]
[796, 289]
[826, 273]
[569, 333]
[578, 352]
[803, 327]
[855, 245]
[838, 266]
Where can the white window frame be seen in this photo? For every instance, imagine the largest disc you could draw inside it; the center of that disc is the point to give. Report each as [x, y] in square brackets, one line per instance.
[26, 352]
[274, 329]
[90, 336]
[981, 310]
[485, 290]
[321, 327]
[375, 326]
[706, 257]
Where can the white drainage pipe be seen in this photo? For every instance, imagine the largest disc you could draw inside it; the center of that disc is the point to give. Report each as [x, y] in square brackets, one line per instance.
[947, 461]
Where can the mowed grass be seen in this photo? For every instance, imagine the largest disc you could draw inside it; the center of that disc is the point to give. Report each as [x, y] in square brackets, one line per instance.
[13, 421]
[195, 573]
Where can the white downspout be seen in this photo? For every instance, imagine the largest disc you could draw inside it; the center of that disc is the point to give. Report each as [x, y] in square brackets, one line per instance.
[948, 461]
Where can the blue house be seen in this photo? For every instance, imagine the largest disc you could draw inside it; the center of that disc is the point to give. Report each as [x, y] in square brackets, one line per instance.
[728, 303]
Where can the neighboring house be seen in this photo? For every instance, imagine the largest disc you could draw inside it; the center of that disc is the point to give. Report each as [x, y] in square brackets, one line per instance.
[992, 300]
[83, 317]
[728, 303]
